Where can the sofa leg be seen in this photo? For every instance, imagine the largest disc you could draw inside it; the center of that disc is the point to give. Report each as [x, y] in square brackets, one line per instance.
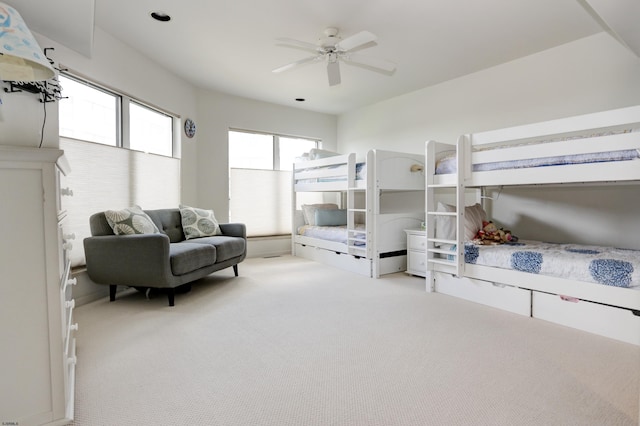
[171, 295]
[235, 269]
[112, 292]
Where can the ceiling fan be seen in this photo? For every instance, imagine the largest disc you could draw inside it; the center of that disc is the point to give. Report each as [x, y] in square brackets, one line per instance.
[332, 49]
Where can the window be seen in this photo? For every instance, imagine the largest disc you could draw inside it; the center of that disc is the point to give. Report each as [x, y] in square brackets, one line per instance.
[116, 171]
[91, 113]
[260, 180]
[150, 131]
[88, 113]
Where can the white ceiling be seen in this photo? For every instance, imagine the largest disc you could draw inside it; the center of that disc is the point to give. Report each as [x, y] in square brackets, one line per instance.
[230, 45]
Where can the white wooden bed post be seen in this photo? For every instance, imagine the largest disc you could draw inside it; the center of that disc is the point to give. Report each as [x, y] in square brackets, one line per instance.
[372, 199]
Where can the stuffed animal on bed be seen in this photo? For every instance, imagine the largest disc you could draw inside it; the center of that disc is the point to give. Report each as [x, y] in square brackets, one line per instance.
[490, 234]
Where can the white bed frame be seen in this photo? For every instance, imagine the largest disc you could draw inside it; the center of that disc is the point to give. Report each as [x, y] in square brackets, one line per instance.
[610, 311]
[390, 199]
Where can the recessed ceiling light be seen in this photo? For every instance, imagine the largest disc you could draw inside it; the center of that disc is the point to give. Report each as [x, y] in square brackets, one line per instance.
[160, 16]
[300, 99]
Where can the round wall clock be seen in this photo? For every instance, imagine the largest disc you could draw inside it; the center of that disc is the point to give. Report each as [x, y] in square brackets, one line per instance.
[189, 128]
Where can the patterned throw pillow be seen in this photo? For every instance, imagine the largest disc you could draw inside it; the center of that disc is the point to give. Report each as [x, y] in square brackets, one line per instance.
[198, 223]
[131, 220]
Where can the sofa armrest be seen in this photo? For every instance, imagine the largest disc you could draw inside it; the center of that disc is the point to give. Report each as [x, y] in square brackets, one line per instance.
[234, 230]
[133, 260]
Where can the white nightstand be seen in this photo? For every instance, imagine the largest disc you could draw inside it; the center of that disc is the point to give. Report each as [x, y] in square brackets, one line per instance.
[416, 254]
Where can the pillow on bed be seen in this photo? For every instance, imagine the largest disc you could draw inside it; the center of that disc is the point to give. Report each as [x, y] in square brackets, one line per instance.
[309, 211]
[331, 217]
[316, 154]
[446, 226]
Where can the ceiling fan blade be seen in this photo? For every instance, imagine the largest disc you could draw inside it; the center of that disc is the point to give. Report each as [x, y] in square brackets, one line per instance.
[297, 63]
[298, 43]
[356, 40]
[374, 64]
[333, 72]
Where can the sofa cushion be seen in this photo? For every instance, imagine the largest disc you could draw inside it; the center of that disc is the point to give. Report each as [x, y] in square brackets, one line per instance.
[131, 220]
[226, 247]
[198, 223]
[169, 223]
[187, 257]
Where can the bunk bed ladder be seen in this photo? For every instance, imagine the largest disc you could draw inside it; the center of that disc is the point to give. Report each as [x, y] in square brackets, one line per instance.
[444, 254]
[357, 243]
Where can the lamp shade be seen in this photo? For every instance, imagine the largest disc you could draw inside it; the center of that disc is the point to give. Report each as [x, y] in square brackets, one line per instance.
[21, 59]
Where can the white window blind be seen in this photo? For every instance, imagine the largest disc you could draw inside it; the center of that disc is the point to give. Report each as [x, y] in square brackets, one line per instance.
[261, 199]
[260, 167]
[109, 178]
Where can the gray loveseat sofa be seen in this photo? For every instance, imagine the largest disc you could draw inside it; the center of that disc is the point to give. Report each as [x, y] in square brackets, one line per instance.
[164, 260]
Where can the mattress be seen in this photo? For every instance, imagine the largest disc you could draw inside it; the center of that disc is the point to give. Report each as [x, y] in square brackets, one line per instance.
[333, 233]
[361, 174]
[595, 264]
[447, 164]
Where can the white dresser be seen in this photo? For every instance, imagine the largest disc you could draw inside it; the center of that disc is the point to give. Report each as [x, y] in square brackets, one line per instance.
[416, 252]
[37, 359]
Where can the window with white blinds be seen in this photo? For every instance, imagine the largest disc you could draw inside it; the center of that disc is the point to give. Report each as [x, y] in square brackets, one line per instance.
[261, 199]
[260, 180]
[109, 178]
[120, 152]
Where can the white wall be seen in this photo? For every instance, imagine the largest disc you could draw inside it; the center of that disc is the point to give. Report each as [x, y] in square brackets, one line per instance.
[592, 74]
[218, 112]
[570, 214]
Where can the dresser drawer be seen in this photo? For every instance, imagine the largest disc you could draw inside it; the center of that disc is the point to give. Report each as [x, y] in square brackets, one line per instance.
[416, 242]
[417, 262]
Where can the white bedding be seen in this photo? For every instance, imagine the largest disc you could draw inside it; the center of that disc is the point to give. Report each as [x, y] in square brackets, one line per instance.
[332, 233]
[361, 174]
[448, 164]
[596, 264]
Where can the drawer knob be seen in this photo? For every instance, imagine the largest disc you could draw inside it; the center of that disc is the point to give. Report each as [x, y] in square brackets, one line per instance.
[72, 360]
[67, 246]
[70, 303]
[72, 281]
[71, 236]
[74, 327]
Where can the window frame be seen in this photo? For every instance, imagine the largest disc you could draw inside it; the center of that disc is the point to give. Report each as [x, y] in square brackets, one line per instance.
[276, 162]
[123, 116]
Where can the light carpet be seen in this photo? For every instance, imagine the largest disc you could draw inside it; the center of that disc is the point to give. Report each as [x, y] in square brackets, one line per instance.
[294, 342]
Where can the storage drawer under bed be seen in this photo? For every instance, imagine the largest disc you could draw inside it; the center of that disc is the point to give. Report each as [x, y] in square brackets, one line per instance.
[359, 265]
[508, 298]
[616, 323]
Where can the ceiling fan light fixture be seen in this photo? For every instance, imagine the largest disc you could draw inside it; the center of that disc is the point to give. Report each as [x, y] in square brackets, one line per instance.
[332, 50]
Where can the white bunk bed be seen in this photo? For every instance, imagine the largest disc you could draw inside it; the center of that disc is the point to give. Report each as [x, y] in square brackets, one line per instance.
[381, 197]
[611, 310]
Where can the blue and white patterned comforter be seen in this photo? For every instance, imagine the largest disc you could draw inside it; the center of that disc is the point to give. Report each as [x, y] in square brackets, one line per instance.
[603, 265]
